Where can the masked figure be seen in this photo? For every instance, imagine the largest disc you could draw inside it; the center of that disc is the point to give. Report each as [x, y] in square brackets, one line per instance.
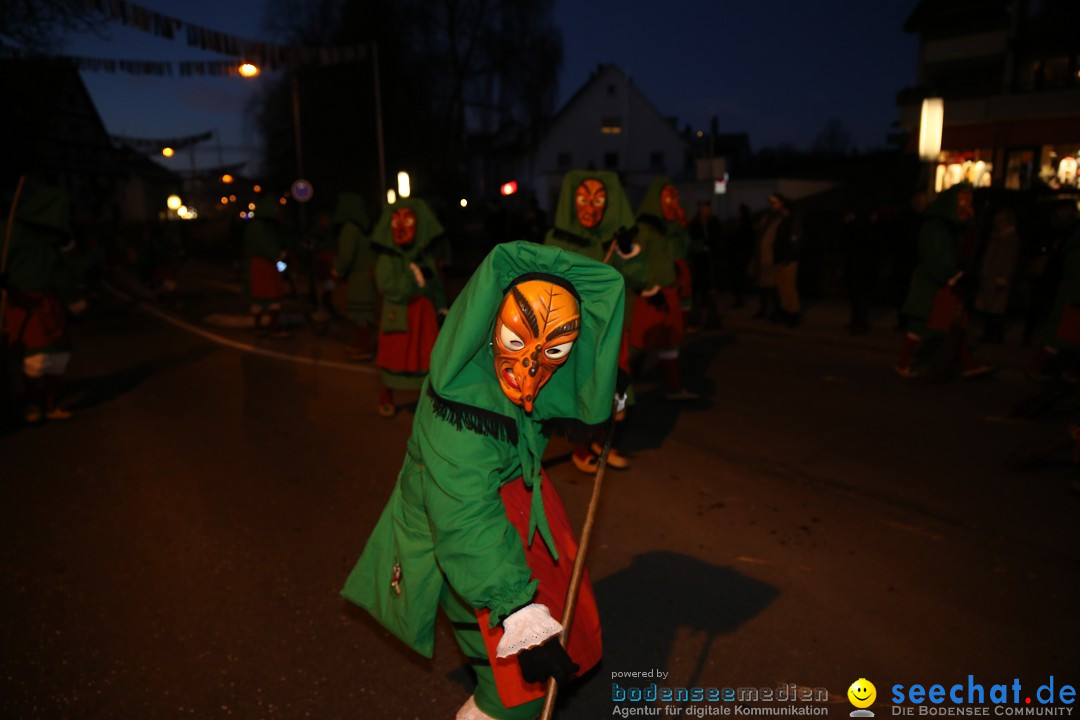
[412, 295]
[263, 249]
[355, 264]
[657, 282]
[473, 525]
[594, 219]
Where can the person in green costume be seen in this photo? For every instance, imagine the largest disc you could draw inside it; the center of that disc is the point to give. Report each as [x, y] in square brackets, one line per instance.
[355, 265]
[412, 293]
[263, 250]
[473, 525]
[652, 278]
[41, 287]
[934, 304]
[594, 219]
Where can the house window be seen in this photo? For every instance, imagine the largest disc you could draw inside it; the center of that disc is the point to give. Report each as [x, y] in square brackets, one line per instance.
[611, 161]
[564, 160]
[610, 125]
[656, 161]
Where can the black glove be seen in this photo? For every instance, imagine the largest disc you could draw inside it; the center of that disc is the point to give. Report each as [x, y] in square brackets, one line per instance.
[624, 238]
[548, 660]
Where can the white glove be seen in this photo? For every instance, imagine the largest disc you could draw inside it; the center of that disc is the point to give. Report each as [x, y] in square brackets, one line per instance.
[620, 402]
[651, 291]
[417, 274]
[528, 627]
[634, 251]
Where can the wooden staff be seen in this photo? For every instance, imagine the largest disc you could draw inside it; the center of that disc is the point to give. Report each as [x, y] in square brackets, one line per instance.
[579, 569]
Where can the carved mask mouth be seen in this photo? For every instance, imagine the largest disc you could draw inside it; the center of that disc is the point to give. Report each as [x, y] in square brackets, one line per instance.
[535, 329]
[590, 201]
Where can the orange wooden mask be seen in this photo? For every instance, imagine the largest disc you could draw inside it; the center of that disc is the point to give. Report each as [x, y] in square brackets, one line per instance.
[535, 329]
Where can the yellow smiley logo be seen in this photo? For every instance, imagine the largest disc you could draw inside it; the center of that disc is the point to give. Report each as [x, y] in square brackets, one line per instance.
[862, 693]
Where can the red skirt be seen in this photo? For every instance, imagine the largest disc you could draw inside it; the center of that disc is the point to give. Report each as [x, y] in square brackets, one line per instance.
[653, 328]
[948, 308]
[265, 279]
[410, 351]
[584, 643]
[36, 321]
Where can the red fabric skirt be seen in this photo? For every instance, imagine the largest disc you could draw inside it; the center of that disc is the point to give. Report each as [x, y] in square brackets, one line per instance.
[947, 309]
[265, 279]
[683, 280]
[35, 321]
[584, 643]
[653, 328]
[1068, 329]
[410, 351]
[322, 265]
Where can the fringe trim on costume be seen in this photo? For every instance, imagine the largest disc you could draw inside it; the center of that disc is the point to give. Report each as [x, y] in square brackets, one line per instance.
[576, 431]
[469, 417]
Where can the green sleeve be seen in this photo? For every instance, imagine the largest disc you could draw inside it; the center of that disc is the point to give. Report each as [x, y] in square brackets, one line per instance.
[346, 249]
[477, 548]
[394, 279]
[937, 252]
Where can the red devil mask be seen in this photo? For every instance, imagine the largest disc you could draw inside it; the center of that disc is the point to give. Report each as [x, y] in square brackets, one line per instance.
[590, 201]
[403, 226]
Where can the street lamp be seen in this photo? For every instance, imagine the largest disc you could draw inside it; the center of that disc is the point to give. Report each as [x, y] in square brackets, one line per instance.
[248, 70]
[931, 120]
[403, 187]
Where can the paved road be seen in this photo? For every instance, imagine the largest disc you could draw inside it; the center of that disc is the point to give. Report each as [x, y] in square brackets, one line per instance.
[177, 549]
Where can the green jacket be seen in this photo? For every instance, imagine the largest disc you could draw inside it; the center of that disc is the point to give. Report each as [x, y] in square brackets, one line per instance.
[262, 236]
[568, 232]
[445, 525]
[939, 240]
[35, 260]
[355, 260]
[395, 281]
[662, 242]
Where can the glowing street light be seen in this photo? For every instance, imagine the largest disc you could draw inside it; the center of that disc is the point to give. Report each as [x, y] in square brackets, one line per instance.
[464, 202]
[168, 151]
[930, 122]
[227, 178]
[403, 187]
[173, 202]
[248, 70]
[391, 196]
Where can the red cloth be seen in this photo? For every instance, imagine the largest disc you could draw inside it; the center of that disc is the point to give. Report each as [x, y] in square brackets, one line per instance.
[947, 309]
[323, 264]
[683, 279]
[410, 351]
[265, 279]
[35, 321]
[1068, 329]
[653, 328]
[584, 645]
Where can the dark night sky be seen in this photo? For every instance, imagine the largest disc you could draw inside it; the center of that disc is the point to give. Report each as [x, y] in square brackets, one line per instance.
[777, 70]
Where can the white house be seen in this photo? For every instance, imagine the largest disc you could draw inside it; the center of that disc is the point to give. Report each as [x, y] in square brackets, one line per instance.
[609, 125]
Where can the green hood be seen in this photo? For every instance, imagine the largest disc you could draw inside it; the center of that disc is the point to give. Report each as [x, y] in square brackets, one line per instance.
[577, 397]
[650, 208]
[46, 207]
[618, 214]
[352, 208]
[266, 208]
[944, 205]
[427, 226]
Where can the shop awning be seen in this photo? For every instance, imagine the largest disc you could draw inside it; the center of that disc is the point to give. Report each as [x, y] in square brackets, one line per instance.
[1019, 133]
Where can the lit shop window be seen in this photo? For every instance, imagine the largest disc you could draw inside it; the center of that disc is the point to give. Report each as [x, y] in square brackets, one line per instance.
[954, 171]
[611, 126]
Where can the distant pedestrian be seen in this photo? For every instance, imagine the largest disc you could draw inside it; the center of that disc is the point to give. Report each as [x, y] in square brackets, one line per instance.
[996, 275]
[739, 251]
[412, 295]
[934, 305]
[706, 245]
[779, 246]
[41, 289]
[265, 257]
[354, 264]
